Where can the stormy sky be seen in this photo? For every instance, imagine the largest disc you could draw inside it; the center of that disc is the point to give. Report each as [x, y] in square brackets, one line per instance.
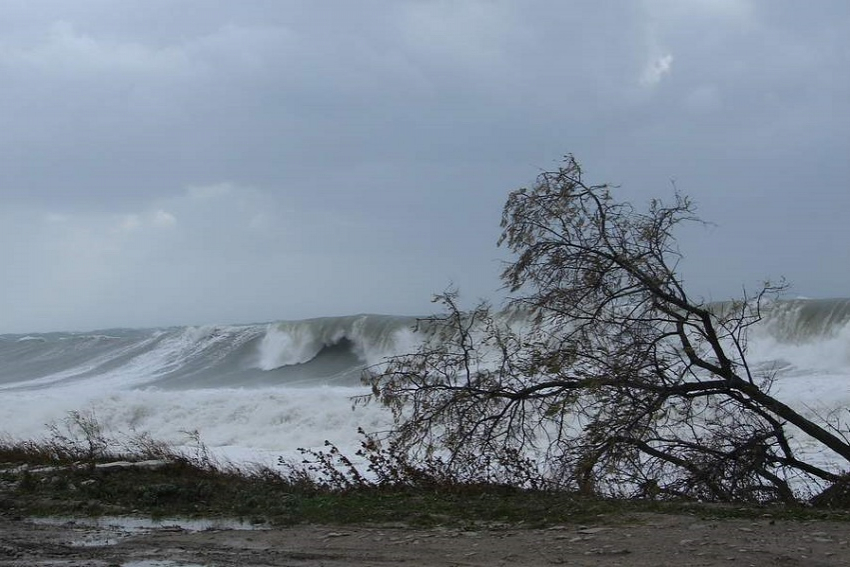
[209, 161]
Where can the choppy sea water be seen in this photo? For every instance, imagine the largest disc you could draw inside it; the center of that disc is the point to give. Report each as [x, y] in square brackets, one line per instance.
[254, 392]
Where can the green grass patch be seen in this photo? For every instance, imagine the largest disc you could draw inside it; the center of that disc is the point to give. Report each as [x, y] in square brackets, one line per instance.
[182, 489]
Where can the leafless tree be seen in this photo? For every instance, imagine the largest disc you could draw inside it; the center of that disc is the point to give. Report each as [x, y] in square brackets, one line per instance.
[603, 364]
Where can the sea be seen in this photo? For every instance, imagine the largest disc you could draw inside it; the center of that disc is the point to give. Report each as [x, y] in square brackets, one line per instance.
[257, 392]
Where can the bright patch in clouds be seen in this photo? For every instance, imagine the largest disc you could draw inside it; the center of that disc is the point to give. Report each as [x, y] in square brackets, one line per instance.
[130, 223]
[164, 219]
[137, 221]
[656, 70]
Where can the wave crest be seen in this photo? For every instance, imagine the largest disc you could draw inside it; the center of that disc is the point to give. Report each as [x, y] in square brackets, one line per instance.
[372, 337]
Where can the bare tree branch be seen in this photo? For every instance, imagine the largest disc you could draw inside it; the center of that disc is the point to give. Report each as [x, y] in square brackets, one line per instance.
[602, 362]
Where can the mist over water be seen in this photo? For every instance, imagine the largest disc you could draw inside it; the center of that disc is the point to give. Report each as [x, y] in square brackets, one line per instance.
[268, 389]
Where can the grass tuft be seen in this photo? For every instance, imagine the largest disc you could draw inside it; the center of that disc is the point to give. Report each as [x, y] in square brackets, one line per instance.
[69, 475]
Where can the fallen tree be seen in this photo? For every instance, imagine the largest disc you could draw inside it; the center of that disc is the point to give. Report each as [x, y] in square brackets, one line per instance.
[602, 365]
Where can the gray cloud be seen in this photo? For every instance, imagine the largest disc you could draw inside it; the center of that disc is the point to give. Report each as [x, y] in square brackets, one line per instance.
[353, 158]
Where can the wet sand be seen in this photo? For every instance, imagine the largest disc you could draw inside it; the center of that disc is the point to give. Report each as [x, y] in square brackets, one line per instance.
[647, 540]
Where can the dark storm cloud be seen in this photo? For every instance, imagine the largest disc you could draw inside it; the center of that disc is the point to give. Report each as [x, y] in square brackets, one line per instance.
[280, 93]
[357, 154]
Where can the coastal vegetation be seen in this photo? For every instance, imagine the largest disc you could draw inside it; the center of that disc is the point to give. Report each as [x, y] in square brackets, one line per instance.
[614, 379]
[135, 476]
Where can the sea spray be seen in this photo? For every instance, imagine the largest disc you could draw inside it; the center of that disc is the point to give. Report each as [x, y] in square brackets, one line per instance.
[268, 389]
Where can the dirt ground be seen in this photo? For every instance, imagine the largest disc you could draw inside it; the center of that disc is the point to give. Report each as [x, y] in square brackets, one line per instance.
[648, 540]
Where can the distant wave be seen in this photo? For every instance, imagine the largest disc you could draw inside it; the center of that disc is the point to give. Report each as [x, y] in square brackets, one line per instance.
[802, 333]
[802, 320]
[804, 337]
[314, 351]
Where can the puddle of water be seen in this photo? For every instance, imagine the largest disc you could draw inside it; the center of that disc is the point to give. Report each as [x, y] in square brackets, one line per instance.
[133, 524]
[155, 563]
[109, 530]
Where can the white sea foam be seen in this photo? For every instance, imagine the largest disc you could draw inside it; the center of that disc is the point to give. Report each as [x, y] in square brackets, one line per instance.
[254, 392]
[236, 422]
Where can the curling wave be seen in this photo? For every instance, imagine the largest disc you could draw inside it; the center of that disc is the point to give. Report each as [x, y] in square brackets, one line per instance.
[331, 350]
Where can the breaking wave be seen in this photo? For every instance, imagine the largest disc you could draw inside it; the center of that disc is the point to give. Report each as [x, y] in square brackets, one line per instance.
[274, 387]
[314, 352]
